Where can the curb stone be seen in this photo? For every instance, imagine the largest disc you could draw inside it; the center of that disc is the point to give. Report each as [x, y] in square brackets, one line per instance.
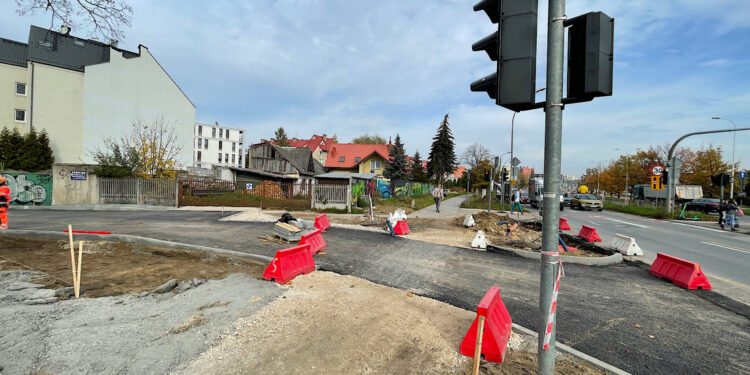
[588, 261]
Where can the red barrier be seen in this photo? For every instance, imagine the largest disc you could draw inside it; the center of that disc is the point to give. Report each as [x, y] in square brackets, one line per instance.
[562, 250]
[289, 263]
[589, 234]
[315, 240]
[564, 224]
[401, 228]
[321, 222]
[682, 272]
[87, 232]
[497, 328]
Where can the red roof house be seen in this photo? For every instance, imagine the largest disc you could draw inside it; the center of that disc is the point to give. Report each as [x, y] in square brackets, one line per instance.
[357, 158]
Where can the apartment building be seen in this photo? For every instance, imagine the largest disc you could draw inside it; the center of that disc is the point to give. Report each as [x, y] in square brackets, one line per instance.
[218, 145]
[81, 91]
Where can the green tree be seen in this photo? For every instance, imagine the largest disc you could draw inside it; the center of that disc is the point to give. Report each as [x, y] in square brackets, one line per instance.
[280, 137]
[369, 139]
[442, 154]
[416, 171]
[11, 143]
[45, 158]
[30, 152]
[396, 169]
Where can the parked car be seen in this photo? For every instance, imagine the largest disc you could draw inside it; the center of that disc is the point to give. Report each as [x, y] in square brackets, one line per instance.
[704, 204]
[567, 198]
[586, 201]
[524, 197]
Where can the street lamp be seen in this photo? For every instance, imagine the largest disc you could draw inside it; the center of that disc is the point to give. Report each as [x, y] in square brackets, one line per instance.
[734, 137]
[627, 170]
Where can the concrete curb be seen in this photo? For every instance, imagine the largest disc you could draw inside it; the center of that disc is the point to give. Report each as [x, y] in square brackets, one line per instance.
[588, 261]
[604, 366]
[50, 235]
[97, 207]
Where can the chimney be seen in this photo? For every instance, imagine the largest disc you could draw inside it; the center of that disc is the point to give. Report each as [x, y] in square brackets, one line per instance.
[217, 123]
[324, 135]
[389, 141]
[113, 42]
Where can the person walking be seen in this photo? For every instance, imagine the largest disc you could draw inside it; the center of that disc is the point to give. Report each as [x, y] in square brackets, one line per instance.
[437, 195]
[4, 202]
[731, 214]
[722, 213]
[516, 202]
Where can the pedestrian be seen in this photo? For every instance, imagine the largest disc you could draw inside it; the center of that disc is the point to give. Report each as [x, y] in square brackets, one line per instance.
[4, 202]
[731, 214]
[722, 213]
[516, 202]
[437, 195]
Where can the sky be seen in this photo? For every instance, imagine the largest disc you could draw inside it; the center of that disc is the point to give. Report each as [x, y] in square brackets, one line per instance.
[397, 67]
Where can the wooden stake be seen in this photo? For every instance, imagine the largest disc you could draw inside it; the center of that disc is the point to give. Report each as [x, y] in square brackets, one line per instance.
[78, 274]
[478, 346]
[72, 255]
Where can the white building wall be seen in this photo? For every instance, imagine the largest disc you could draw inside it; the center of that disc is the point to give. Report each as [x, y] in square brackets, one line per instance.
[9, 100]
[123, 90]
[208, 138]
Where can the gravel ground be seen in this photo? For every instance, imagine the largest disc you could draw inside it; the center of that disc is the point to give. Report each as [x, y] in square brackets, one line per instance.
[127, 334]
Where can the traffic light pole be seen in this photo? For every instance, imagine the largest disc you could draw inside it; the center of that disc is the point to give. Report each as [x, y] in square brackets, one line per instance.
[551, 206]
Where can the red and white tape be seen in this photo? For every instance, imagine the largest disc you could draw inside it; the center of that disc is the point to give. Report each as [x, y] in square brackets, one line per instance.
[553, 304]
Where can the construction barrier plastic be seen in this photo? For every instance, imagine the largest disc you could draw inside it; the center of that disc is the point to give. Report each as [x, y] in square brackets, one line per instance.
[682, 272]
[589, 234]
[564, 224]
[401, 228]
[315, 240]
[321, 222]
[626, 245]
[560, 248]
[87, 232]
[289, 263]
[497, 328]
[479, 241]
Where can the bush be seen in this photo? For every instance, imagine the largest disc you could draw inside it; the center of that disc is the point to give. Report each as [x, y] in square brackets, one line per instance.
[363, 202]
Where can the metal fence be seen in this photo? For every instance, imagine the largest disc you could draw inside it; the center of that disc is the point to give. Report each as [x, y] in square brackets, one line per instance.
[138, 191]
[330, 194]
[267, 194]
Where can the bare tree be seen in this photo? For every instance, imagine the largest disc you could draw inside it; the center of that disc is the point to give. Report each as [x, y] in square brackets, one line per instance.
[150, 150]
[475, 154]
[108, 17]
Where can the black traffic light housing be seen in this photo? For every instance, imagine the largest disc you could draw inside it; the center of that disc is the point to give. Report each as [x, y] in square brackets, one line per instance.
[720, 179]
[590, 55]
[513, 46]
[505, 175]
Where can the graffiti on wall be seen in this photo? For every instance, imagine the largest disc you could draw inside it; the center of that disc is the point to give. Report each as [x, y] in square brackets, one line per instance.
[358, 190]
[412, 189]
[30, 189]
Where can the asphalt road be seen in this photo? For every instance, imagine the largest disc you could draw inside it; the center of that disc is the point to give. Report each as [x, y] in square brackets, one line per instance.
[619, 314]
[722, 254]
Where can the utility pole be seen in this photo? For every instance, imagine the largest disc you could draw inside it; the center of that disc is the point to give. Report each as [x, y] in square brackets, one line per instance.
[489, 207]
[551, 207]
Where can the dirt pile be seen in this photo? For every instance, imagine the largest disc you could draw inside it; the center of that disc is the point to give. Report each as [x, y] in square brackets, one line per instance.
[520, 236]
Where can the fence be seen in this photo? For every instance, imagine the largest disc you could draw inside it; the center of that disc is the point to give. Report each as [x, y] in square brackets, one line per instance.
[267, 194]
[331, 196]
[138, 191]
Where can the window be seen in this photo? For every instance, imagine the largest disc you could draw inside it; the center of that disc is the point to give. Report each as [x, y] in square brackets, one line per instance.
[197, 165]
[221, 133]
[213, 132]
[357, 159]
[232, 158]
[341, 159]
[205, 143]
[20, 88]
[227, 133]
[20, 115]
[233, 145]
[375, 164]
[226, 158]
[220, 145]
[198, 157]
[200, 130]
[200, 142]
[220, 157]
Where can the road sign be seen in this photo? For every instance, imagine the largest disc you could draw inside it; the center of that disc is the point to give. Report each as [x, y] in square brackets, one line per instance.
[657, 170]
[248, 186]
[656, 183]
[743, 174]
[515, 162]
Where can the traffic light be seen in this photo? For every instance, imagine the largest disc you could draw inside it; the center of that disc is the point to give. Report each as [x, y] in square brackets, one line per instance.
[720, 179]
[505, 175]
[513, 46]
[590, 46]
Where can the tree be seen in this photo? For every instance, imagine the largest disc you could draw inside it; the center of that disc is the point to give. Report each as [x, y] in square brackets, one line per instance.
[396, 169]
[442, 155]
[416, 170]
[280, 137]
[107, 16]
[474, 154]
[369, 139]
[149, 151]
[30, 152]
[706, 162]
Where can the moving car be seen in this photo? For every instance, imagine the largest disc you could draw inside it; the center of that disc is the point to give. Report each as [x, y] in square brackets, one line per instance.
[586, 201]
[704, 204]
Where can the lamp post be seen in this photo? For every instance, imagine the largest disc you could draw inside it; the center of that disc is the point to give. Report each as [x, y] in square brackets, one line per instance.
[734, 137]
[627, 170]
